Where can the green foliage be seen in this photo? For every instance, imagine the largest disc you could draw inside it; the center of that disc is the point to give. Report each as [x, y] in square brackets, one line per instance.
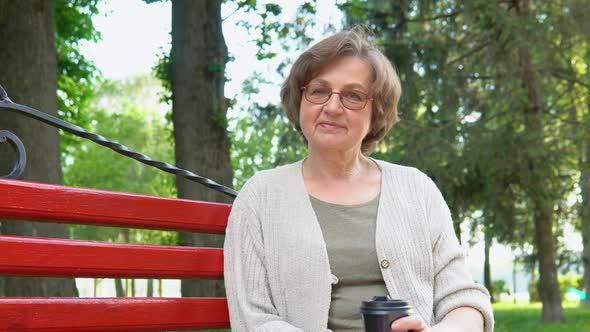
[570, 281]
[271, 26]
[219, 118]
[266, 27]
[568, 260]
[77, 76]
[122, 113]
[261, 140]
[163, 71]
[126, 112]
[273, 9]
[262, 137]
[247, 5]
[216, 66]
[499, 287]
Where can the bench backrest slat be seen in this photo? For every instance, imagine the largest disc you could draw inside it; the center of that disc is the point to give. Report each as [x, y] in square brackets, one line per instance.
[56, 257]
[46, 202]
[29, 256]
[112, 314]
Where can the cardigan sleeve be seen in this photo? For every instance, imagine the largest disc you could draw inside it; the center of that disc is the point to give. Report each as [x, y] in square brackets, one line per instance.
[453, 285]
[248, 294]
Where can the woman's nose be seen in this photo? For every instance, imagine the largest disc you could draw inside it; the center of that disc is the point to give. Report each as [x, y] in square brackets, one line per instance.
[334, 104]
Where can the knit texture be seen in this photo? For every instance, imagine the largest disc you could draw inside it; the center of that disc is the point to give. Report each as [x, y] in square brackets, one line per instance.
[277, 272]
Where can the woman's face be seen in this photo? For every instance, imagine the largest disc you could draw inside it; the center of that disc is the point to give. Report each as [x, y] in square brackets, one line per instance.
[332, 126]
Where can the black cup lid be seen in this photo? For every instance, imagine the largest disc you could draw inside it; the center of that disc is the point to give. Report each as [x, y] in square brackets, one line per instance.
[384, 303]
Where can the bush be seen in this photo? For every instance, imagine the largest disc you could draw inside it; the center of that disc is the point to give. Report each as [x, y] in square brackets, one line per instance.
[498, 287]
[569, 281]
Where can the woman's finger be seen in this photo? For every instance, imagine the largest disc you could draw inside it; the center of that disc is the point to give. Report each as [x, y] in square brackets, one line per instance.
[414, 323]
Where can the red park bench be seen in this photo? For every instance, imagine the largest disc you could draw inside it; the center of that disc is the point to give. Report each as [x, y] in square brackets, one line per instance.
[32, 256]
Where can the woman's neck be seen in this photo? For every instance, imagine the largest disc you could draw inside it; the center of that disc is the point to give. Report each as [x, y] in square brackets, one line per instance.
[342, 165]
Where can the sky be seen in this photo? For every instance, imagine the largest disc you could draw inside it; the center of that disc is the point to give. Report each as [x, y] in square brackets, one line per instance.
[134, 34]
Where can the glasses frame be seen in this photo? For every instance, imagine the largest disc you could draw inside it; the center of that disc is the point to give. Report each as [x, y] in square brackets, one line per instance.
[339, 93]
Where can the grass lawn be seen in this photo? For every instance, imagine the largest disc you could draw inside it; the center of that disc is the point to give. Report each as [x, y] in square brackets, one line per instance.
[527, 318]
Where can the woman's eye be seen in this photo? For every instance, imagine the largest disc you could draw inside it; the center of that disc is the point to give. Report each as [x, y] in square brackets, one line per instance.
[320, 91]
[353, 95]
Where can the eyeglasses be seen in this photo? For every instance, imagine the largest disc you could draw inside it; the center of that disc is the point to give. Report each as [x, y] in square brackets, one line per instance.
[319, 94]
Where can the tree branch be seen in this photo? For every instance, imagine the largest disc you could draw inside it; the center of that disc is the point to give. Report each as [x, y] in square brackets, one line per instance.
[469, 53]
[434, 18]
[570, 79]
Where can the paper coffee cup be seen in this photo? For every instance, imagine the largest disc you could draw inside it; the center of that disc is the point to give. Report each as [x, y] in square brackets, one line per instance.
[381, 311]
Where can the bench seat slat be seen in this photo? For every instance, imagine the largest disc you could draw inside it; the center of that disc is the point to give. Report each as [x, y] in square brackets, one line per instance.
[112, 314]
[56, 203]
[22, 255]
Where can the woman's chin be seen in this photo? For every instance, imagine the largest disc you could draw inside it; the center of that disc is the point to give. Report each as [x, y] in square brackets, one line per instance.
[330, 145]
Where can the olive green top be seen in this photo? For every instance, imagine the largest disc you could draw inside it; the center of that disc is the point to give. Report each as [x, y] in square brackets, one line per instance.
[349, 232]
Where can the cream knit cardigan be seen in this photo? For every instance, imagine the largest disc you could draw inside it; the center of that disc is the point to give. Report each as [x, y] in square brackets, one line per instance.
[277, 274]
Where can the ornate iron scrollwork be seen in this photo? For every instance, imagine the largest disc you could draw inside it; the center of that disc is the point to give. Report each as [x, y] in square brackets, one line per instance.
[21, 155]
[6, 103]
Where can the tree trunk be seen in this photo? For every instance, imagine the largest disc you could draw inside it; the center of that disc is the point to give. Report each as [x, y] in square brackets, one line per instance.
[199, 55]
[514, 280]
[543, 207]
[487, 274]
[150, 288]
[534, 283]
[28, 72]
[119, 288]
[457, 227]
[548, 284]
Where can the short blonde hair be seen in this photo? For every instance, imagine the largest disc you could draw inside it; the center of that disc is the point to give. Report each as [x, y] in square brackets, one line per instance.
[385, 90]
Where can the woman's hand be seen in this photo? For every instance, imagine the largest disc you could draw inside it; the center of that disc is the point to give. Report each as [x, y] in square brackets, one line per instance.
[410, 323]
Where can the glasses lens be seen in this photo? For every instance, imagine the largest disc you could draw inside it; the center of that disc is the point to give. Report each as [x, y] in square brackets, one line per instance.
[317, 94]
[353, 100]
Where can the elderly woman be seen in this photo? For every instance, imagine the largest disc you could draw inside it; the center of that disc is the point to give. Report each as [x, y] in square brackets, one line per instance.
[307, 242]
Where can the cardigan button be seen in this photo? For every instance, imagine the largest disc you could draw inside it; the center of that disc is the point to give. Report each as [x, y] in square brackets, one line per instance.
[385, 263]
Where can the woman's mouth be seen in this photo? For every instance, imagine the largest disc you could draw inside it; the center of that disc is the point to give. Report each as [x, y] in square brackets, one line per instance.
[330, 125]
